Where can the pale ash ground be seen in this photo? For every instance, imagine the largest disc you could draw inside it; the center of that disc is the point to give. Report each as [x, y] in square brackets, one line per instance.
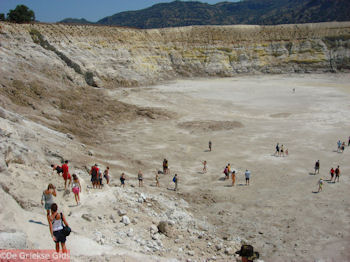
[278, 212]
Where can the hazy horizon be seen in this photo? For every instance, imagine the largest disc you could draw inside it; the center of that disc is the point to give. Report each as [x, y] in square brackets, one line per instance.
[91, 10]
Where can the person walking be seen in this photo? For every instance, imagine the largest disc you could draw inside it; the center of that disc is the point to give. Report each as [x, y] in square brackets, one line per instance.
[247, 177]
[57, 168]
[56, 221]
[332, 173]
[226, 172]
[165, 166]
[317, 167]
[349, 141]
[157, 178]
[210, 144]
[339, 145]
[140, 178]
[47, 198]
[320, 185]
[66, 176]
[282, 151]
[122, 180]
[204, 167]
[233, 176]
[277, 153]
[94, 175]
[76, 188]
[337, 174]
[106, 174]
[175, 180]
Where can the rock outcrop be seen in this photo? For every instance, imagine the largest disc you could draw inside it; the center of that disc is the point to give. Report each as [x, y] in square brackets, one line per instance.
[113, 56]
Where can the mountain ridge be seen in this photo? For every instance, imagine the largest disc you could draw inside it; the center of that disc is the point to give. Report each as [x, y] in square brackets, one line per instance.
[259, 12]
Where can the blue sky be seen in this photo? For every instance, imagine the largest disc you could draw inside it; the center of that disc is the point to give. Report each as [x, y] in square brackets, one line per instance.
[92, 10]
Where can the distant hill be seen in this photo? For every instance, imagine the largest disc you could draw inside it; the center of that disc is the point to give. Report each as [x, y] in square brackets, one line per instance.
[260, 12]
[75, 21]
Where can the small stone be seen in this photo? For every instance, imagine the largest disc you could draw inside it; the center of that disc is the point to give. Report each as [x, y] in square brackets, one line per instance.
[90, 153]
[140, 200]
[134, 221]
[155, 237]
[219, 246]
[153, 229]
[70, 136]
[190, 253]
[121, 212]
[125, 220]
[87, 217]
[120, 241]
[149, 204]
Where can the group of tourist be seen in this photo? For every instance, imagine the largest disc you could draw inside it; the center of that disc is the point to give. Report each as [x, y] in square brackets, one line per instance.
[335, 173]
[280, 151]
[97, 178]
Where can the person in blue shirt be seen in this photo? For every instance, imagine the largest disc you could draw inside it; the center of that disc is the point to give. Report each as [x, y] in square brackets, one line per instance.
[247, 177]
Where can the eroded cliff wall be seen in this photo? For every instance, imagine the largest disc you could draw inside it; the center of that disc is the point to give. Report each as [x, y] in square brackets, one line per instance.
[113, 56]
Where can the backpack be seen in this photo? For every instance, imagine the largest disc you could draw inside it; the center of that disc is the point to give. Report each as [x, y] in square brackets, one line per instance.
[174, 179]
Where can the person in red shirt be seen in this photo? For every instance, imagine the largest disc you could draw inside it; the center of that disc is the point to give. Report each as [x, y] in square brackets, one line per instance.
[94, 175]
[66, 174]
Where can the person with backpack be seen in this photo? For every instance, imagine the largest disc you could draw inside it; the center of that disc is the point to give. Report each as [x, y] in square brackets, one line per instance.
[57, 224]
[94, 175]
[57, 168]
[175, 180]
[226, 172]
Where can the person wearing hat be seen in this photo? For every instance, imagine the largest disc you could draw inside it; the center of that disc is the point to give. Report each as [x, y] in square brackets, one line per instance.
[247, 253]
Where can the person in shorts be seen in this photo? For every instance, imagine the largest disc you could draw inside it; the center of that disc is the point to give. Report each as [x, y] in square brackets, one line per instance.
[332, 173]
[122, 180]
[58, 169]
[76, 188]
[140, 178]
[106, 174]
[66, 176]
[94, 174]
[337, 174]
[56, 221]
[47, 198]
[277, 153]
[320, 185]
[247, 177]
[317, 167]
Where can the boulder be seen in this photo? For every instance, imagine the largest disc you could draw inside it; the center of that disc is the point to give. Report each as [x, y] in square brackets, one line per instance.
[87, 217]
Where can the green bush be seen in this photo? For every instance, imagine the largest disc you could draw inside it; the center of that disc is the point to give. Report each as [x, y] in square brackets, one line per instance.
[21, 14]
[2, 17]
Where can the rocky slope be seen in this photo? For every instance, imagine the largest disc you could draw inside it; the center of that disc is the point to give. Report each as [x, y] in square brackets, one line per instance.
[125, 57]
[50, 110]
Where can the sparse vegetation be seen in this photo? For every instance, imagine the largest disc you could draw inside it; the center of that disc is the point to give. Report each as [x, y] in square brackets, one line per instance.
[21, 14]
[39, 39]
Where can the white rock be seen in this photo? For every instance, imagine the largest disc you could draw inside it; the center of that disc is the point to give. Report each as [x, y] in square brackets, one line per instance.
[121, 212]
[155, 236]
[219, 246]
[190, 253]
[125, 220]
[153, 229]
